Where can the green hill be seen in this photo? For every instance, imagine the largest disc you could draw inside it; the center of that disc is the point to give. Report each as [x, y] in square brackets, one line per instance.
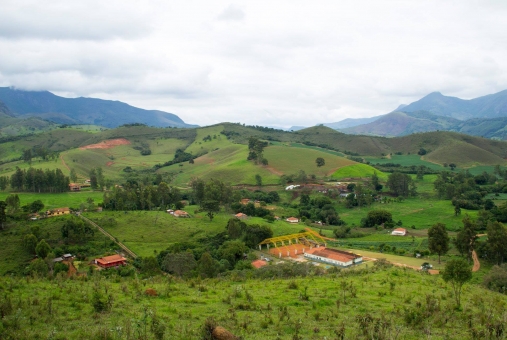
[357, 171]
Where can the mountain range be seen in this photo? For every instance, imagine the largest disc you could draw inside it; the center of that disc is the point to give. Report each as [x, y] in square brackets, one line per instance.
[107, 113]
[484, 116]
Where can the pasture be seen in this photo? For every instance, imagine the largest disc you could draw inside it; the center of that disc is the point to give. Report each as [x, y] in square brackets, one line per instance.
[59, 200]
[358, 171]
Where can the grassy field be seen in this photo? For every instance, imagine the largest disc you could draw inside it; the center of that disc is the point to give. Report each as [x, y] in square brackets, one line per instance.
[404, 160]
[309, 308]
[148, 232]
[358, 171]
[421, 213]
[51, 201]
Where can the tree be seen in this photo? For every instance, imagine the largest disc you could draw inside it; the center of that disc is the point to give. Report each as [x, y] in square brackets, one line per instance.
[4, 181]
[27, 156]
[375, 183]
[376, 217]
[258, 180]
[12, 203]
[211, 207]
[400, 184]
[73, 175]
[235, 228]
[3, 216]
[320, 162]
[232, 251]
[457, 272]
[93, 179]
[466, 238]
[39, 267]
[180, 264]
[30, 243]
[207, 267]
[36, 206]
[497, 241]
[438, 240]
[43, 249]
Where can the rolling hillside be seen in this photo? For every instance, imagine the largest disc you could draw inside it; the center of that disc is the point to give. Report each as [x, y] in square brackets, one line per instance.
[61, 110]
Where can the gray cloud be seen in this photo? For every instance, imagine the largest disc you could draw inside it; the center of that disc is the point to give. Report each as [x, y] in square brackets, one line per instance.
[231, 13]
[269, 63]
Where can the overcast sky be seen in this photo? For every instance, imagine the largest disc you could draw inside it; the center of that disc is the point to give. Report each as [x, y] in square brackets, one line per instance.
[278, 63]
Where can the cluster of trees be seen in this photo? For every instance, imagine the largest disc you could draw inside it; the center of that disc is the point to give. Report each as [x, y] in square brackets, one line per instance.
[261, 196]
[211, 256]
[376, 218]
[255, 151]
[319, 208]
[41, 152]
[179, 157]
[401, 184]
[140, 197]
[463, 189]
[299, 177]
[251, 210]
[38, 180]
[75, 230]
[211, 195]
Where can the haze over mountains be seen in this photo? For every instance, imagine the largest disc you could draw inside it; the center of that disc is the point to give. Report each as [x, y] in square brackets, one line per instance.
[484, 116]
[107, 113]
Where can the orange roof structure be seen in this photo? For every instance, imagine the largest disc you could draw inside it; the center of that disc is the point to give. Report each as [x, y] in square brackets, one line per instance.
[241, 215]
[259, 263]
[110, 261]
[333, 254]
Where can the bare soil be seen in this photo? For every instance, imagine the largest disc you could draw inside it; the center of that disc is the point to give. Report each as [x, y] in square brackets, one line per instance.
[107, 144]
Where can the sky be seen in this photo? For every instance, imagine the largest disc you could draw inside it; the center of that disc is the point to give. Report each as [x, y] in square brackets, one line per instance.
[271, 63]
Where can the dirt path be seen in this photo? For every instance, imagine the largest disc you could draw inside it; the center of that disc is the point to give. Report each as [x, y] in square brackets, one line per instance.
[63, 162]
[477, 264]
[72, 269]
[273, 170]
[124, 247]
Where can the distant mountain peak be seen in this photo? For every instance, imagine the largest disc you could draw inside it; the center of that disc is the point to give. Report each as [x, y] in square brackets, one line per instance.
[83, 110]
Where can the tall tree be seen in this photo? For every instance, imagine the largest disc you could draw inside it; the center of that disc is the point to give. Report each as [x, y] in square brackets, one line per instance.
[457, 272]
[497, 241]
[207, 267]
[73, 175]
[12, 203]
[320, 162]
[466, 238]
[42, 249]
[3, 216]
[4, 181]
[438, 240]
[93, 179]
[400, 184]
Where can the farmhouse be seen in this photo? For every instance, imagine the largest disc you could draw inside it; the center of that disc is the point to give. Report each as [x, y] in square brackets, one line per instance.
[245, 201]
[333, 256]
[180, 213]
[292, 220]
[111, 261]
[241, 216]
[74, 187]
[58, 212]
[399, 232]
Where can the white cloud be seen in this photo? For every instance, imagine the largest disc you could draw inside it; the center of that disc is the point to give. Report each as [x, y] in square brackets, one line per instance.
[268, 63]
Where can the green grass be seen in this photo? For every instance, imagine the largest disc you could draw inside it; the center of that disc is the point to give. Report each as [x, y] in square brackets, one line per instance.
[421, 213]
[64, 199]
[288, 160]
[358, 171]
[250, 308]
[404, 160]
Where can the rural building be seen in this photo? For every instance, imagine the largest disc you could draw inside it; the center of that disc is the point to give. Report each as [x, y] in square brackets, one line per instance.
[170, 211]
[291, 187]
[245, 201]
[74, 187]
[58, 212]
[180, 213]
[241, 216]
[333, 256]
[111, 261]
[399, 232]
[292, 220]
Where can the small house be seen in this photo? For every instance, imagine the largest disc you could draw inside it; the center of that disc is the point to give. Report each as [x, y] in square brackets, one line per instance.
[180, 213]
[399, 232]
[74, 187]
[111, 261]
[333, 256]
[58, 212]
[292, 220]
[241, 216]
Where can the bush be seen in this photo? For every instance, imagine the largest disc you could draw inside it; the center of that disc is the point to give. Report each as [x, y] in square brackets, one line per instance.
[496, 279]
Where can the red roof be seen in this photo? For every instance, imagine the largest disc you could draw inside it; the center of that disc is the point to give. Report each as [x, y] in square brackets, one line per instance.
[111, 259]
[332, 254]
[293, 219]
[239, 215]
[259, 263]
[400, 229]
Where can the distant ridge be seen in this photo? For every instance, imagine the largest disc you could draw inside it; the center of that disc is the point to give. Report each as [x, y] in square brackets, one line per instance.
[81, 110]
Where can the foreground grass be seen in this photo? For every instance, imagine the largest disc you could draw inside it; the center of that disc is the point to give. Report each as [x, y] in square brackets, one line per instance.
[368, 303]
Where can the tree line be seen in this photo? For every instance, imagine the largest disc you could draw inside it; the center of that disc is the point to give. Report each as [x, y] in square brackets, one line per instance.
[36, 180]
[133, 196]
